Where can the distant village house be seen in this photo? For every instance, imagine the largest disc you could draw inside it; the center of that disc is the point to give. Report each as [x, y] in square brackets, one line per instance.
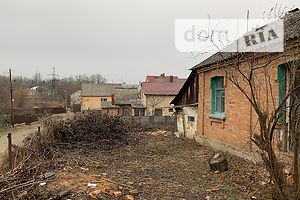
[112, 98]
[95, 96]
[157, 93]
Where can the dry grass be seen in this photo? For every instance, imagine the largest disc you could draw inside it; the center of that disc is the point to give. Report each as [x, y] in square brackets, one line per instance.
[156, 164]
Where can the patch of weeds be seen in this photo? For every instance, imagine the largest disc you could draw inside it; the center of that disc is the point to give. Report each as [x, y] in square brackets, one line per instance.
[227, 189]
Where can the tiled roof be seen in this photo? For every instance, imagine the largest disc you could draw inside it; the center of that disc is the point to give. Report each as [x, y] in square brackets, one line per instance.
[164, 88]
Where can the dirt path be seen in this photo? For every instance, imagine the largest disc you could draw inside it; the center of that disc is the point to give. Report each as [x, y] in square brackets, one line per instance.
[21, 131]
[18, 134]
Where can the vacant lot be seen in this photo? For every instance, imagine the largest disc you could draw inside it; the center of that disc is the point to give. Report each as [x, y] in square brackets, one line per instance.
[159, 166]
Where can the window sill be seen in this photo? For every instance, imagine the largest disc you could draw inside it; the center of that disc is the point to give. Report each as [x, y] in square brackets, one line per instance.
[218, 116]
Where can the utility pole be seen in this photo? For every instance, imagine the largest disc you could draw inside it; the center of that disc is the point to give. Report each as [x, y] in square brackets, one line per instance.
[248, 14]
[11, 101]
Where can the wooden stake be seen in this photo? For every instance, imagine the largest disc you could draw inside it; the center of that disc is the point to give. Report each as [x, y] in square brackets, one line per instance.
[10, 156]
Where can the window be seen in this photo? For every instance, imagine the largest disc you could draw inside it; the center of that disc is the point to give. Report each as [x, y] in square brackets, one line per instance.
[139, 112]
[281, 90]
[103, 99]
[217, 97]
[284, 80]
[157, 112]
[142, 112]
[136, 112]
[191, 118]
[125, 112]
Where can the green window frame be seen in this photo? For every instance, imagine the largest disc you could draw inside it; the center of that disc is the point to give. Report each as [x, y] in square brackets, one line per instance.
[217, 97]
[281, 90]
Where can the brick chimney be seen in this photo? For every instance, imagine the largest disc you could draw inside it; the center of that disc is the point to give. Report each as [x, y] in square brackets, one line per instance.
[171, 78]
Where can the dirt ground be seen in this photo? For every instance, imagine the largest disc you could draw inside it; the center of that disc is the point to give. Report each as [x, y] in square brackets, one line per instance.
[159, 166]
[18, 134]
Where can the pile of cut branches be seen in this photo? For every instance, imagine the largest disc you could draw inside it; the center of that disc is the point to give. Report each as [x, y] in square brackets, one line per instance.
[90, 127]
[34, 158]
[39, 152]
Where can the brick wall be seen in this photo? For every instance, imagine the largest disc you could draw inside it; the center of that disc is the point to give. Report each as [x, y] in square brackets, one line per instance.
[236, 128]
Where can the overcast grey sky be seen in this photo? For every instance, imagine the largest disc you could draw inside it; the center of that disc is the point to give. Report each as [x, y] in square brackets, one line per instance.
[124, 40]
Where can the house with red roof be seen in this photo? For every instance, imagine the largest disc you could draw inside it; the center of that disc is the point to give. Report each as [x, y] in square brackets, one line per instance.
[157, 92]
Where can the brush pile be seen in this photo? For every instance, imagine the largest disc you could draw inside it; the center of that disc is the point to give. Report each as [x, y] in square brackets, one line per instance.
[89, 128]
[39, 152]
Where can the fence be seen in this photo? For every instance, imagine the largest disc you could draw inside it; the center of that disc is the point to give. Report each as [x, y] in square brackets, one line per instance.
[27, 119]
[160, 122]
[28, 116]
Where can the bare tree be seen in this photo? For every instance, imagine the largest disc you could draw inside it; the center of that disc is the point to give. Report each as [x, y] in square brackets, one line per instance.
[97, 78]
[153, 102]
[253, 75]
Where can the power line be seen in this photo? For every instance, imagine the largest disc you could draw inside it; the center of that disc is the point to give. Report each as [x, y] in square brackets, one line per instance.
[54, 78]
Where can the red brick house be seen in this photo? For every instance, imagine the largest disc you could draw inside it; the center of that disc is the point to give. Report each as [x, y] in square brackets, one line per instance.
[224, 117]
